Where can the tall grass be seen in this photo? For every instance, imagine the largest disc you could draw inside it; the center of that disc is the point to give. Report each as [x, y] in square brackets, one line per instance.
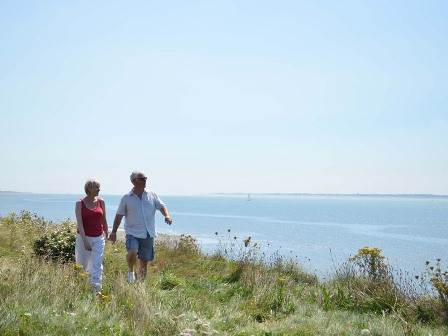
[189, 293]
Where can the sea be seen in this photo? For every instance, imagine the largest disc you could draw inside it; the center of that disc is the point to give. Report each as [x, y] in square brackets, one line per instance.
[319, 231]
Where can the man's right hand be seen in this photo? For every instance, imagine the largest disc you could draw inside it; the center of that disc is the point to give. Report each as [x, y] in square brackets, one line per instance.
[112, 237]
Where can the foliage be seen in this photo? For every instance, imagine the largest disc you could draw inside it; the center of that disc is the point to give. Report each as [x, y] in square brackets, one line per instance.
[22, 229]
[370, 262]
[57, 243]
[439, 281]
[189, 293]
[188, 245]
[170, 281]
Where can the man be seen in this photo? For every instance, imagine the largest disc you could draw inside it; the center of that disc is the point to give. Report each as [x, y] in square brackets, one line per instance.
[139, 208]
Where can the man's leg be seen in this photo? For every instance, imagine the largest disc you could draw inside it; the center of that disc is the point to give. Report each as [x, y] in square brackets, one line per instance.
[145, 254]
[143, 269]
[131, 256]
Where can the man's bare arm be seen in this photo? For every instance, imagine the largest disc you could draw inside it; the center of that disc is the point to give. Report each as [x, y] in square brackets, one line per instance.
[166, 214]
[117, 222]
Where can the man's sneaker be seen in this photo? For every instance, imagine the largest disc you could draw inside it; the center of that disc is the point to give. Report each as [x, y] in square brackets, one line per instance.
[131, 277]
[96, 288]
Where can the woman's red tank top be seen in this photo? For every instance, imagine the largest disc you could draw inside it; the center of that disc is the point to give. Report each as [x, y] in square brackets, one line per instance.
[92, 219]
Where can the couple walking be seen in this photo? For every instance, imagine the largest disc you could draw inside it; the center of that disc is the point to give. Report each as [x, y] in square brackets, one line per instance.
[138, 207]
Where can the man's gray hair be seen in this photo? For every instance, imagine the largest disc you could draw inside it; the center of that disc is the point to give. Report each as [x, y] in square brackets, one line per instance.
[90, 183]
[135, 174]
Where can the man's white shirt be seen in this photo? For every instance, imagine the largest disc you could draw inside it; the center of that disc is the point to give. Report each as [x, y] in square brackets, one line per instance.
[139, 213]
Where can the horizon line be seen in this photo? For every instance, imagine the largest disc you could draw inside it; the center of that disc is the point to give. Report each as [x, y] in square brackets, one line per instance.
[259, 193]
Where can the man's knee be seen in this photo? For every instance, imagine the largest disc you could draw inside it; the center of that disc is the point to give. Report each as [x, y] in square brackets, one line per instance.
[132, 254]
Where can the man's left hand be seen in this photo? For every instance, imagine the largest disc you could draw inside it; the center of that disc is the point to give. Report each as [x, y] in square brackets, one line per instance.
[168, 220]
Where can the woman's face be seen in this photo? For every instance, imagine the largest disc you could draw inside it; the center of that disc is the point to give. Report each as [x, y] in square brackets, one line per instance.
[94, 191]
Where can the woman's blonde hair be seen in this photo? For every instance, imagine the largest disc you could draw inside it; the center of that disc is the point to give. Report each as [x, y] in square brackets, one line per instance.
[90, 184]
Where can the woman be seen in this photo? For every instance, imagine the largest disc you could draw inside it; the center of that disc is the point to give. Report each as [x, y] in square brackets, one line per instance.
[92, 232]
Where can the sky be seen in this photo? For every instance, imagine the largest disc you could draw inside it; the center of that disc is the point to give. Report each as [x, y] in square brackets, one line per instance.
[224, 96]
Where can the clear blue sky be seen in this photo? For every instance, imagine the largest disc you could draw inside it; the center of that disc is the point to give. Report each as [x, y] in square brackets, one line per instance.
[225, 96]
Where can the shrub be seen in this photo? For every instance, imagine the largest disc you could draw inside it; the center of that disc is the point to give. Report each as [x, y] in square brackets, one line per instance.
[365, 283]
[426, 310]
[273, 299]
[57, 243]
[170, 281]
[187, 244]
[236, 273]
[370, 262]
[439, 281]
[22, 229]
[291, 269]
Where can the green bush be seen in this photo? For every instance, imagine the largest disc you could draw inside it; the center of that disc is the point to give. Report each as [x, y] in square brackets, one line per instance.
[22, 229]
[439, 281]
[57, 243]
[364, 284]
[370, 263]
[188, 245]
[170, 281]
[236, 273]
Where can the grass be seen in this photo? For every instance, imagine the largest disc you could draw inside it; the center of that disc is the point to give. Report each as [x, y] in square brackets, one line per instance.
[188, 293]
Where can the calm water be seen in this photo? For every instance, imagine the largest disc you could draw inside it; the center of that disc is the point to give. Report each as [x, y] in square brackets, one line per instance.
[316, 229]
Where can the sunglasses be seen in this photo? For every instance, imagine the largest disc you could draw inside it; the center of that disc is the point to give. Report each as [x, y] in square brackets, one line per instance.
[141, 178]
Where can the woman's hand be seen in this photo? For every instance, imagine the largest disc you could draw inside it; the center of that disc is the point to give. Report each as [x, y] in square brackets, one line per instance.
[87, 245]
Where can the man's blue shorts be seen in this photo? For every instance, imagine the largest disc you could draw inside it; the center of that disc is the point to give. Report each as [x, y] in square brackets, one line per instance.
[143, 246]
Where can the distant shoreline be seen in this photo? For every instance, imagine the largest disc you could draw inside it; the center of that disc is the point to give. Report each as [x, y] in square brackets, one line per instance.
[259, 194]
[337, 195]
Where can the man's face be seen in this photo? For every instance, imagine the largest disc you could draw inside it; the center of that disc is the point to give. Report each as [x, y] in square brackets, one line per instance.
[140, 181]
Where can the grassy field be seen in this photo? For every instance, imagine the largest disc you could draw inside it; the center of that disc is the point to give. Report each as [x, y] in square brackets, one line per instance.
[188, 293]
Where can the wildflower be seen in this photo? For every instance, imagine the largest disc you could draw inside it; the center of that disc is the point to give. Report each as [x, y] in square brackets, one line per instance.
[234, 237]
[216, 233]
[281, 281]
[103, 297]
[247, 241]
[228, 230]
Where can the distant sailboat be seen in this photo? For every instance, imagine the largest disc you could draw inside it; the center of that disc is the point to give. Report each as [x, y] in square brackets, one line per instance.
[248, 198]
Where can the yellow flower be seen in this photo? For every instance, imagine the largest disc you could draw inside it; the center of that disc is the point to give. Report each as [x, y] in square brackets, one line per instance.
[281, 281]
[104, 297]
